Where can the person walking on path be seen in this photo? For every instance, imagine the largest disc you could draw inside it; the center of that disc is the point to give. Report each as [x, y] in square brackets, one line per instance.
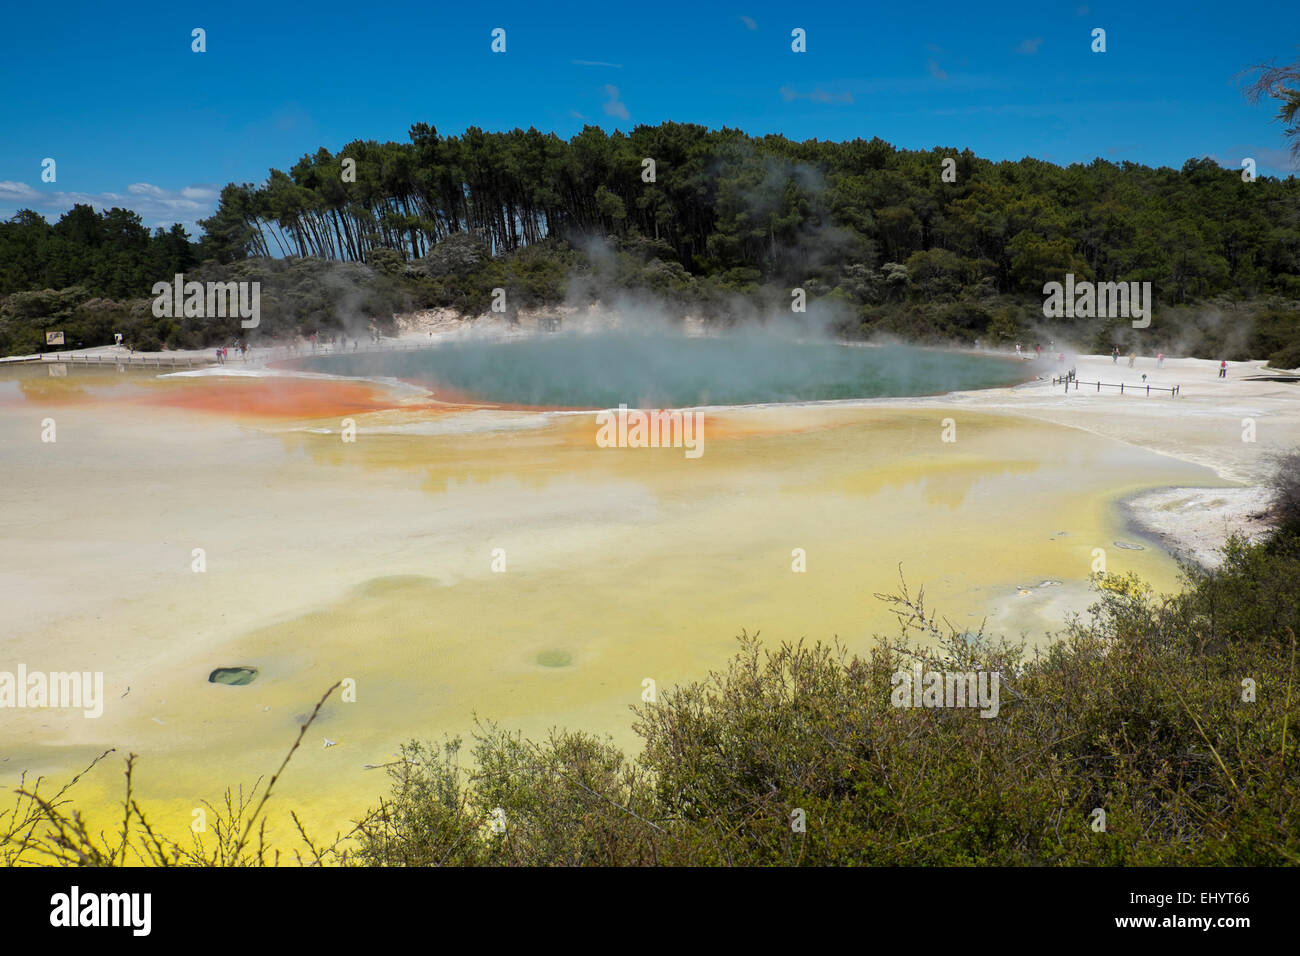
[1160, 360]
[1223, 369]
[1132, 357]
[1114, 355]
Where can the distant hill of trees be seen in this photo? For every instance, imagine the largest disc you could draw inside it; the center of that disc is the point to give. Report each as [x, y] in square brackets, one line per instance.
[783, 211]
[726, 223]
[110, 254]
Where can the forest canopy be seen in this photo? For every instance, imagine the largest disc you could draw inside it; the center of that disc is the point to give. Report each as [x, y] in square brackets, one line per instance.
[721, 200]
[921, 244]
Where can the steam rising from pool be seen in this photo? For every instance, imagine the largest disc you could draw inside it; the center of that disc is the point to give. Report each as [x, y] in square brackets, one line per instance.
[603, 370]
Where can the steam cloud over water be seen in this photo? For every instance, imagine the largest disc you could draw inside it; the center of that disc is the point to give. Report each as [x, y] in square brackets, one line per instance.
[605, 369]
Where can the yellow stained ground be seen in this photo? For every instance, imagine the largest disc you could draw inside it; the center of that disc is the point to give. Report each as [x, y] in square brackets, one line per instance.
[372, 560]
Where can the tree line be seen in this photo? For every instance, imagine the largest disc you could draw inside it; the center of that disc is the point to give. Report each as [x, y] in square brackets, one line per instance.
[110, 254]
[770, 209]
[929, 245]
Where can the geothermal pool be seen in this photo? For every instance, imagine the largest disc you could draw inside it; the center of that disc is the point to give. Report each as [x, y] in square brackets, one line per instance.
[656, 371]
[460, 561]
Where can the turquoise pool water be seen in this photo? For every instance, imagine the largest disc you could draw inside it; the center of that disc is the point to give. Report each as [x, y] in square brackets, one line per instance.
[605, 370]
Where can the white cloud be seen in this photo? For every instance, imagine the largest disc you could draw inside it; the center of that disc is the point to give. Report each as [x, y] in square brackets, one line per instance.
[1269, 161]
[749, 22]
[17, 192]
[1030, 47]
[817, 96]
[615, 107]
[1275, 158]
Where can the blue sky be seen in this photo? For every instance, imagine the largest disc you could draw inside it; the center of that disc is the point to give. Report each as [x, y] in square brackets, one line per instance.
[134, 118]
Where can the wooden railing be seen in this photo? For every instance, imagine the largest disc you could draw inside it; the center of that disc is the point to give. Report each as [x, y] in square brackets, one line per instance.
[151, 361]
[1124, 389]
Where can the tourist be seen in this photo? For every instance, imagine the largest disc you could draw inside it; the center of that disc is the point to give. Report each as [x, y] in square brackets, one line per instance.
[1038, 350]
[1114, 355]
[1132, 357]
[1223, 369]
[1160, 360]
[1018, 355]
